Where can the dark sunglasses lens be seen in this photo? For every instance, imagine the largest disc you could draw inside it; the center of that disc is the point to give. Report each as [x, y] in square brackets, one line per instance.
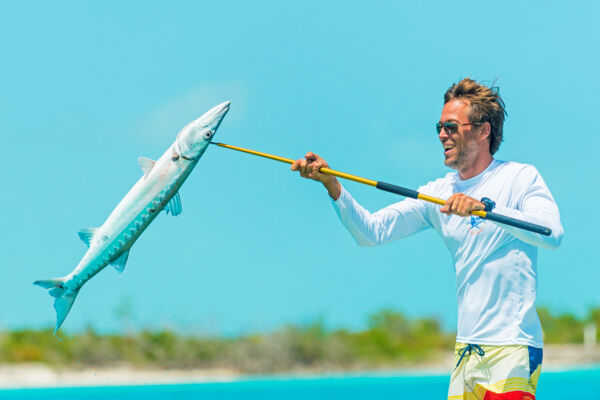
[450, 127]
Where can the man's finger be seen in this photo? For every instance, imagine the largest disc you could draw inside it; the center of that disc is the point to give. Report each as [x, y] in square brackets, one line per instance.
[447, 209]
[455, 203]
[316, 169]
[310, 156]
[463, 206]
[302, 167]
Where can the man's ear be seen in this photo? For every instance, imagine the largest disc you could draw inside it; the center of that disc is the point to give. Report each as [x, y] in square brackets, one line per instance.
[485, 131]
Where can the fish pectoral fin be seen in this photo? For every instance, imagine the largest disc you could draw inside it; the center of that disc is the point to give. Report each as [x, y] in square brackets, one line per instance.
[119, 262]
[146, 164]
[87, 235]
[174, 205]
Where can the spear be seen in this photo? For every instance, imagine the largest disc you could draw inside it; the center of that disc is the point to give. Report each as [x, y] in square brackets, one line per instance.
[388, 187]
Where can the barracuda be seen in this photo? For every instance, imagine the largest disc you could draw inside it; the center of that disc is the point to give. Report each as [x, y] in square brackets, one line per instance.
[157, 190]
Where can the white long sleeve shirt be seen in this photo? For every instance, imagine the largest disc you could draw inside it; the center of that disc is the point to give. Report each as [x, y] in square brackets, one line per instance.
[495, 264]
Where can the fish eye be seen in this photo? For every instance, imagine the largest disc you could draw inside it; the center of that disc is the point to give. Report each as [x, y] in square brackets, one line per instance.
[208, 134]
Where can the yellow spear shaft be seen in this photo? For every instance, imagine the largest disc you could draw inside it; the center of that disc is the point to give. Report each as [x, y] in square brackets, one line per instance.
[388, 187]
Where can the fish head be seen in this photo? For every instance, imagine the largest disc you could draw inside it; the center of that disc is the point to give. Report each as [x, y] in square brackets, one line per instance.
[194, 138]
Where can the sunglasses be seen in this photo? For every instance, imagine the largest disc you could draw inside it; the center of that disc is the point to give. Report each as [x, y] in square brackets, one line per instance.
[452, 127]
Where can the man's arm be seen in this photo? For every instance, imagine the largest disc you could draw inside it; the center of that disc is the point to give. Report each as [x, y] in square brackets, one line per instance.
[368, 229]
[536, 206]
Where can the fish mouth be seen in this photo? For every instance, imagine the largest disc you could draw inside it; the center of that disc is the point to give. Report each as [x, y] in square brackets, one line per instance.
[215, 115]
[219, 111]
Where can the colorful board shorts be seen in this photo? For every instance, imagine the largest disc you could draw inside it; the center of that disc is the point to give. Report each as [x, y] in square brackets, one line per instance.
[495, 372]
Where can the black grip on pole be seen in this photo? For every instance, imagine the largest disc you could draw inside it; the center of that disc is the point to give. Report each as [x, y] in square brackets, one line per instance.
[542, 230]
[388, 187]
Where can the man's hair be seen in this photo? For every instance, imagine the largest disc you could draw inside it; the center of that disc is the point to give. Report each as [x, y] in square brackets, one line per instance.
[486, 106]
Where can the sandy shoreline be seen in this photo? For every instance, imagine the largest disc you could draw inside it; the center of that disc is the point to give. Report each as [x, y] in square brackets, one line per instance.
[42, 376]
[556, 358]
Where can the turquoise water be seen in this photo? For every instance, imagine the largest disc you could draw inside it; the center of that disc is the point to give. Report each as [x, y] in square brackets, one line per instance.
[552, 385]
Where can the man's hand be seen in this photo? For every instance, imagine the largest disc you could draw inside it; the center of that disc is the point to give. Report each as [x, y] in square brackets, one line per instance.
[309, 167]
[461, 204]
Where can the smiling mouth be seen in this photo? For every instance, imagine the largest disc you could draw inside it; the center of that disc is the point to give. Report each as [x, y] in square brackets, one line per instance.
[448, 148]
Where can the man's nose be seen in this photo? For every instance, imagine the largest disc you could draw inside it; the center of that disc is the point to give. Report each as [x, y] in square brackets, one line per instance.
[443, 135]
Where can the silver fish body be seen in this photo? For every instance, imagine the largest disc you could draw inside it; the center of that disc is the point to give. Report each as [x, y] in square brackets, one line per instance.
[155, 191]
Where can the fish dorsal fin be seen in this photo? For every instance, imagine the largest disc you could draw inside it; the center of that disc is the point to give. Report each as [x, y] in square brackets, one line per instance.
[146, 164]
[119, 262]
[173, 207]
[87, 235]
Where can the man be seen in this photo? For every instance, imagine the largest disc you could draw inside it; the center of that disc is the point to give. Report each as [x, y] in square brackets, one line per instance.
[499, 337]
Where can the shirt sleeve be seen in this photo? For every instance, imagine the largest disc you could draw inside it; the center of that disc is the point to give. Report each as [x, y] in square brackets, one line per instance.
[390, 223]
[536, 206]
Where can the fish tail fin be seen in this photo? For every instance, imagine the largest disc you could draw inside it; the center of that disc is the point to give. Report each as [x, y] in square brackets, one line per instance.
[63, 298]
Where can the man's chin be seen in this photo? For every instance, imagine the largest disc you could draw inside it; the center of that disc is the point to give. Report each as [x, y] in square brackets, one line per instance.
[450, 163]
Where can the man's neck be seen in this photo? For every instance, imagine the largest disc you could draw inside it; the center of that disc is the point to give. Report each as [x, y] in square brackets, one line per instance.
[477, 167]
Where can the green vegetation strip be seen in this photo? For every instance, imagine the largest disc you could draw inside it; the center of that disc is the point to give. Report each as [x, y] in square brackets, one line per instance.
[390, 340]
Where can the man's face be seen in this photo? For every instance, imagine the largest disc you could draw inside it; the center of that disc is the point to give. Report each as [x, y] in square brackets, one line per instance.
[460, 147]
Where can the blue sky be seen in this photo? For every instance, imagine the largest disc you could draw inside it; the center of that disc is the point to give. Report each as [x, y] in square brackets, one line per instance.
[89, 87]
